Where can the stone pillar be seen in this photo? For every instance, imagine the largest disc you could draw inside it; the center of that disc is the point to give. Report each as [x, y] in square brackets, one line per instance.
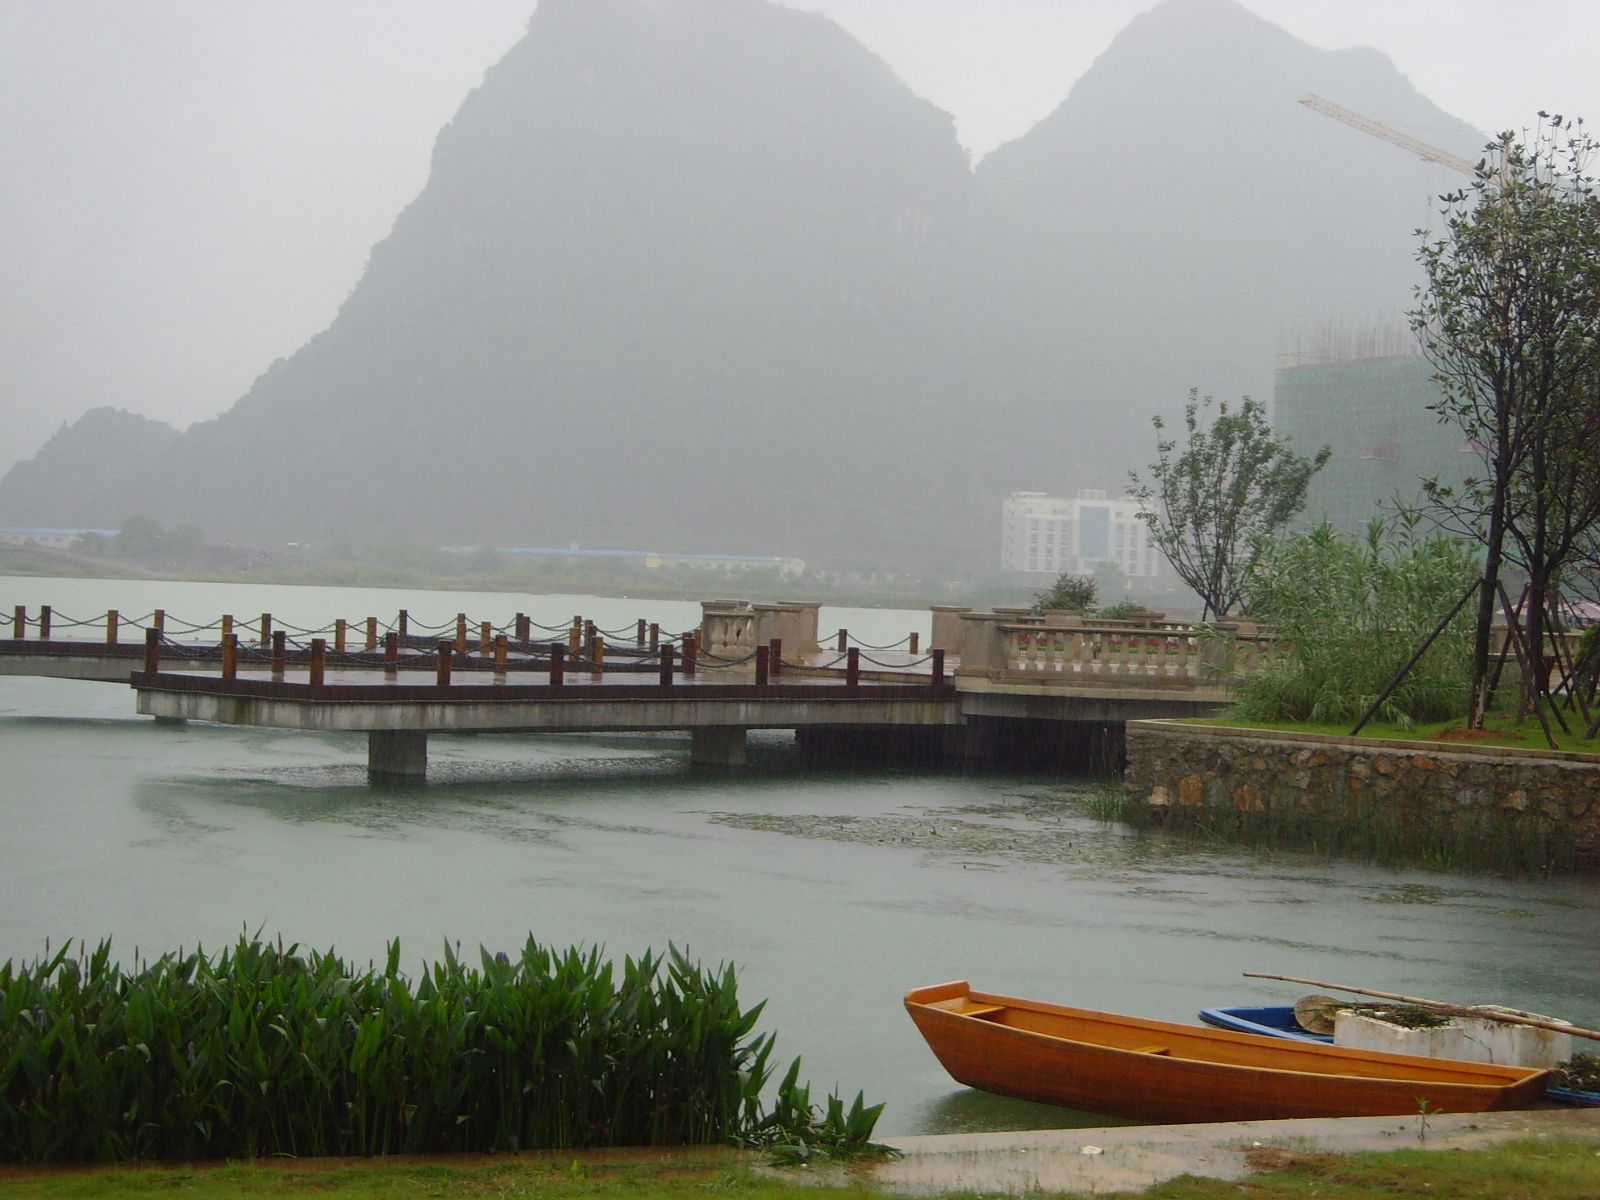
[717, 746]
[946, 633]
[983, 643]
[397, 756]
[801, 638]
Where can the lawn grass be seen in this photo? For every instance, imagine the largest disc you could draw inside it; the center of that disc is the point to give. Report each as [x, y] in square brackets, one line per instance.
[1525, 1170]
[1499, 730]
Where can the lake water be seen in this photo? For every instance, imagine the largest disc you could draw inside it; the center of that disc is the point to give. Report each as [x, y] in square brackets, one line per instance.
[834, 892]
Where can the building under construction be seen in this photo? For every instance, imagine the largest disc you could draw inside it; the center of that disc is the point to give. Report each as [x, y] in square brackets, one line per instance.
[1366, 394]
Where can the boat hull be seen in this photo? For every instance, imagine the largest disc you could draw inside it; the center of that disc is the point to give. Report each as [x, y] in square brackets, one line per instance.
[1163, 1072]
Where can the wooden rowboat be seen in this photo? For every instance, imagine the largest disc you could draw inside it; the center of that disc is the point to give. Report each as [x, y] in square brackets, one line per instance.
[1160, 1071]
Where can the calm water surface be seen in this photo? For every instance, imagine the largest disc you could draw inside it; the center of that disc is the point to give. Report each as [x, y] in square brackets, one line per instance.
[834, 892]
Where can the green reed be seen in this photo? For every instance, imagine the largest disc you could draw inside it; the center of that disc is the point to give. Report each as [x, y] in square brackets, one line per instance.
[274, 1050]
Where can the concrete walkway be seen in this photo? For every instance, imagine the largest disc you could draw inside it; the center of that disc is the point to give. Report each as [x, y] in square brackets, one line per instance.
[1132, 1157]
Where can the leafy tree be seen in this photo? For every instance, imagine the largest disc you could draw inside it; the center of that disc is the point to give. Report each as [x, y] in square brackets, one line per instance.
[1510, 316]
[1071, 593]
[1209, 504]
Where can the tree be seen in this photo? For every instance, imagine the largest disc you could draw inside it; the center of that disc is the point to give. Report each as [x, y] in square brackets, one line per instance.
[1208, 505]
[1509, 316]
[1072, 593]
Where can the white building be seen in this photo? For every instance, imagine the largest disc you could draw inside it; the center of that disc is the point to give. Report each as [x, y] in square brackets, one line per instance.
[1052, 535]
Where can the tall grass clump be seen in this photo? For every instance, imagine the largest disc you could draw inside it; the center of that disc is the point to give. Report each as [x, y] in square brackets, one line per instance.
[1351, 612]
[271, 1050]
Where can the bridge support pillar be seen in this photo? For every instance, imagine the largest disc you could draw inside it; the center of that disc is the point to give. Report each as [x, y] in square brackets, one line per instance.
[397, 755]
[717, 746]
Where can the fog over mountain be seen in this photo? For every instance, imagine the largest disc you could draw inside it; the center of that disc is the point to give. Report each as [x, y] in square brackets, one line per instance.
[703, 275]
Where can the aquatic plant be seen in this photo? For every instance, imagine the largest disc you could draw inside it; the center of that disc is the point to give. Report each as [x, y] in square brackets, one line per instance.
[268, 1049]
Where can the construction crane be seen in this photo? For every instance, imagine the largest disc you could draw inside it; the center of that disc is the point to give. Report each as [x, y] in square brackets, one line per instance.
[1379, 130]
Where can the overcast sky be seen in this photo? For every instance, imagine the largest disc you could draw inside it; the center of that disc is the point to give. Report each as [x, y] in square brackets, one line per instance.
[189, 188]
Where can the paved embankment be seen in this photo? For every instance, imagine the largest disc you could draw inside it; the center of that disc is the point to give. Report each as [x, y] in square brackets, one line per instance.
[1138, 1156]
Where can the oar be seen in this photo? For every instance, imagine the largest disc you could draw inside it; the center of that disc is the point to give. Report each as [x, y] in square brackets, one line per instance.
[1455, 1010]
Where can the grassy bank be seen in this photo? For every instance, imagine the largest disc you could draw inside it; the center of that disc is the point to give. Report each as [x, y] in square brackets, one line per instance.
[1527, 1170]
[1499, 730]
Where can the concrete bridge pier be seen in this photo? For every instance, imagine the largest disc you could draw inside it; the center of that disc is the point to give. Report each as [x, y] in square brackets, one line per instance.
[397, 756]
[717, 746]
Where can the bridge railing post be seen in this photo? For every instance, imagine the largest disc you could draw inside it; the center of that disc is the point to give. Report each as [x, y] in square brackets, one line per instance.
[402, 623]
[913, 642]
[158, 621]
[844, 640]
[19, 622]
[938, 665]
[280, 652]
[558, 664]
[340, 635]
[639, 634]
[666, 666]
[575, 637]
[152, 651]
[372, 635]
[763, 665]
[442, 670]
[691, 652]
[852, 667]
[319, 661]
[655, 637]
[597, 657]
[44, 622]
[461, 633]
[524, 629]
[775, 658]
[230, 656]
[227, 624]
[391, 654]
[500, 658]
[111, 627]
[266, 629]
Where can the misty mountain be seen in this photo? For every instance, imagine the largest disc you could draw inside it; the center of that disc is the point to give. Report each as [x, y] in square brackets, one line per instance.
[65, 484]
[704, 275]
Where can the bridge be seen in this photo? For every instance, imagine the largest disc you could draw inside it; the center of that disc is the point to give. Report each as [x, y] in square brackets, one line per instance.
[746, 666]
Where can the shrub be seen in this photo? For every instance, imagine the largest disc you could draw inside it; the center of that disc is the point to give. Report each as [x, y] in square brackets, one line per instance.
[267, 1050]
[1073, 593]
[1351, 613]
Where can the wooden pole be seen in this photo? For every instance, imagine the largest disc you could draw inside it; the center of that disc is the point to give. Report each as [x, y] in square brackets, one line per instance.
[763, 665]
[500, 658]
[227, 624]
[152, 651]
[44, 622]
[266, 629]
[597, 657]
[372, 634]
[319, 661]
[391, 654]
[655, 637]
[339, 637]
[914, 641]
[1456, 1010]
[524, 629]
[461, 633]
[691, 654]
[938, 665]
[158, 621]
[485, 637]
[442, 670]
[111, 627]
[575, 637]
[280, 647]
[19, 622]
[638, 637]
[775, 658]
[666, 666]
[230, 656]
[402, 623]
[558, 664]
[852, 667]
[844, 640]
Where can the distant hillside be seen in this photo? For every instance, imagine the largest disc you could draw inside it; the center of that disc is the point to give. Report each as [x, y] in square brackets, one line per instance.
[703, 275]
[68, 483]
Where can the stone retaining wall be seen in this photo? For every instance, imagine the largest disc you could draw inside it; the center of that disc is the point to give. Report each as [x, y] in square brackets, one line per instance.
[1473, 806]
